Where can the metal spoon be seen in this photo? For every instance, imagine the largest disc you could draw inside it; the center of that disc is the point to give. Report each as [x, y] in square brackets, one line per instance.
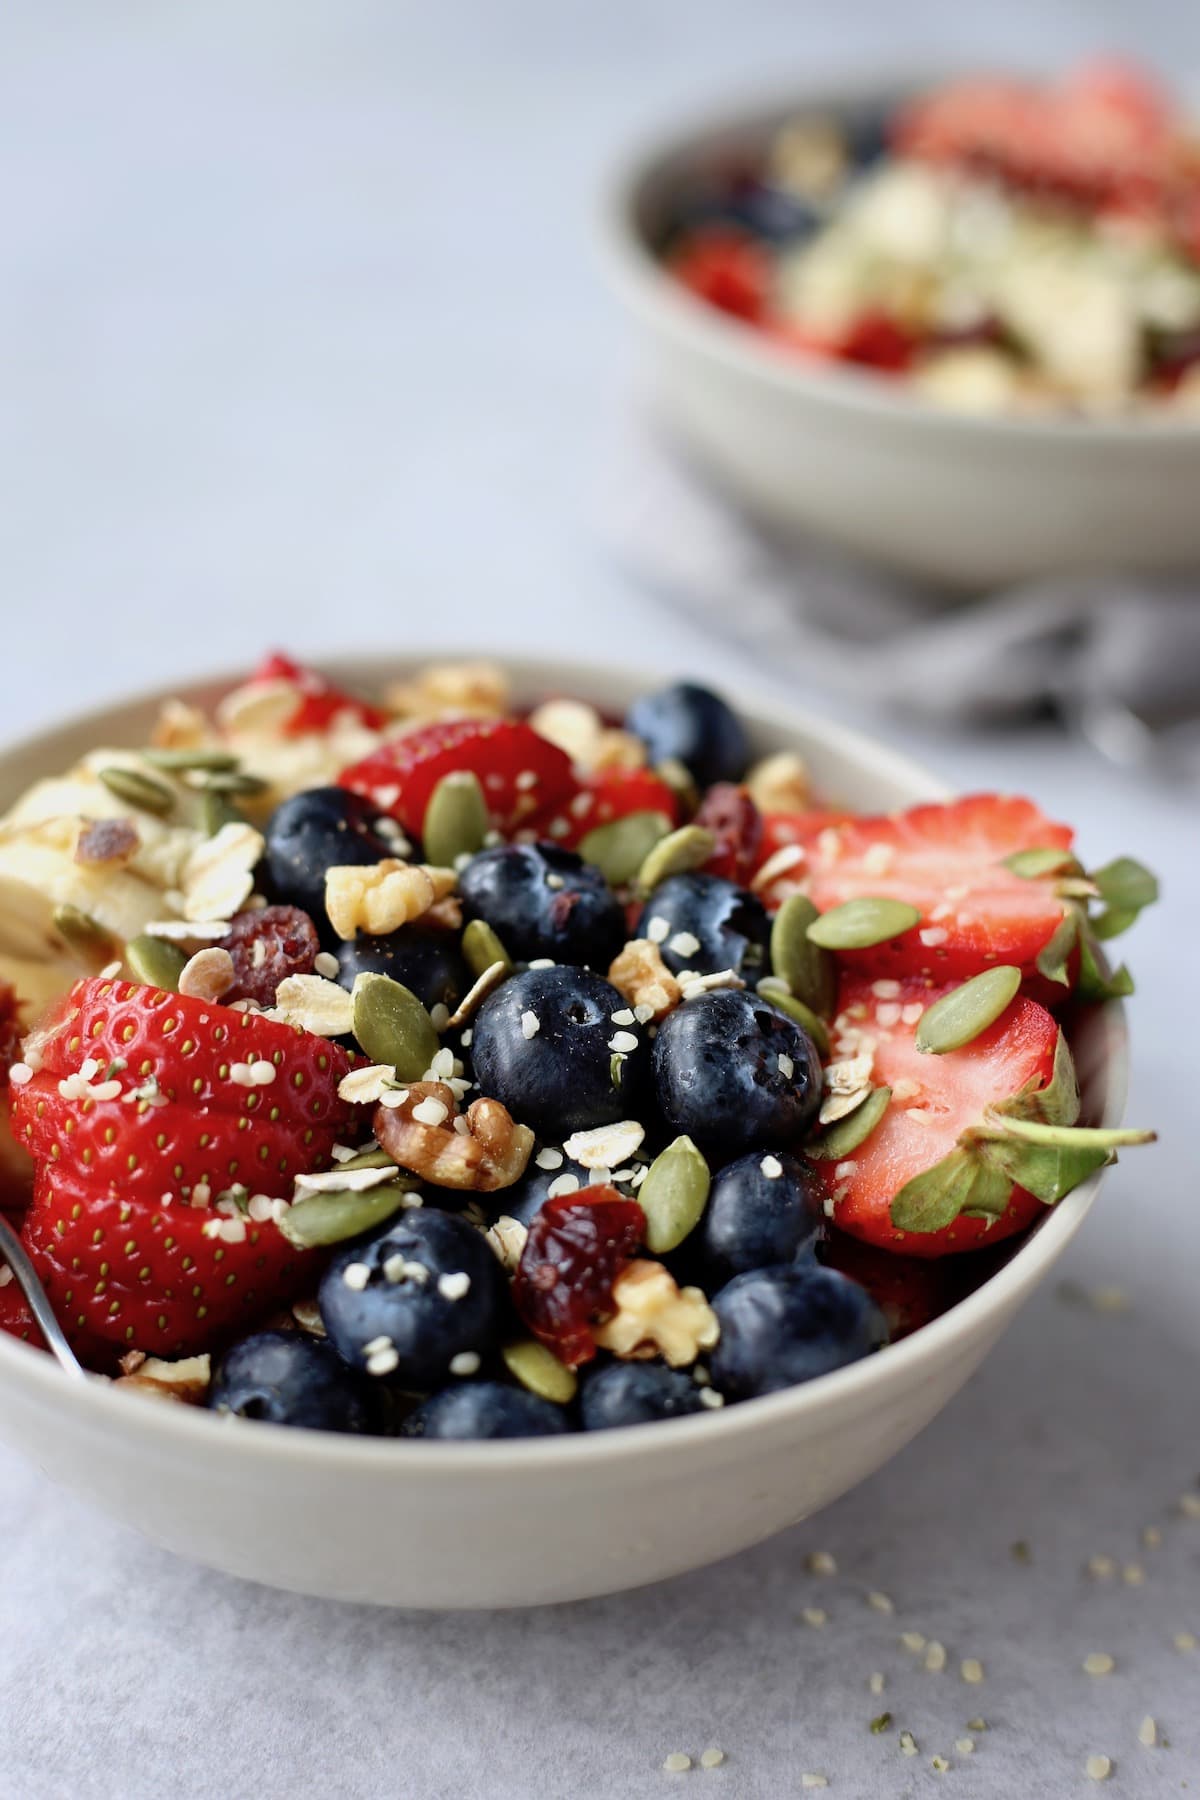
[13, 1251]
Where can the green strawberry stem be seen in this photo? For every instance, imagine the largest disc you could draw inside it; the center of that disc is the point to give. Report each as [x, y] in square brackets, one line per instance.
[1063, 1136]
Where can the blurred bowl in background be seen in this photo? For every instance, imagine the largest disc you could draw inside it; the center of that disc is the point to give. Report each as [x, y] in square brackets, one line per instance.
[824, 449]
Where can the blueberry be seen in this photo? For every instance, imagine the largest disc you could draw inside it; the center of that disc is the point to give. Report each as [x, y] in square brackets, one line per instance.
[634, 1393]
[406, 1303]
[546, 1043]
[485, 1409]
[314, 831]
[763, 1209]
[693, 726]
[783, 1326]
[774, 214]
[734, 1074]
[287, 1378]
[710, 924]
[428, 963]
[542, 900]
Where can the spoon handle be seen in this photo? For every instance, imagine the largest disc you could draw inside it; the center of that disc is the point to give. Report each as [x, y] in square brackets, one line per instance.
[13, 1252]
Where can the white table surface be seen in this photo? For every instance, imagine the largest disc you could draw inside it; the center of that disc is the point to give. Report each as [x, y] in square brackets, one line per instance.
[302, 342]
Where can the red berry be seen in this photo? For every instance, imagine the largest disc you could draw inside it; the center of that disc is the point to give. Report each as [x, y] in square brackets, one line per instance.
[611, 794]
[576, 1248]
[522, 774]
[725, 267]
[731, 815]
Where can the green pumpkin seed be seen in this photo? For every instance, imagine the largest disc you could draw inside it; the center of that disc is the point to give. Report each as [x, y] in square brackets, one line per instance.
[155, 962]
[848, 1133]
[456, 819]
[1032, 864]
[331, 1217]
[857, 924]
[138, 790]
[218, 761]
[959, 1016]
[797, 959]
[232, 781]
[392, 1026]
[674, 1195]
[368, 1159]
[217, 811]
[539, 1370]
[676, 854]
[620, 848]
[84, 936]
[796, 1010]
[482, 948]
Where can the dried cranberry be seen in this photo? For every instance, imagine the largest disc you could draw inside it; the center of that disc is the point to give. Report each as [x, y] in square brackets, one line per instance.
[10, 1030]
[576, 1248]
[731, 815]
[266, 947]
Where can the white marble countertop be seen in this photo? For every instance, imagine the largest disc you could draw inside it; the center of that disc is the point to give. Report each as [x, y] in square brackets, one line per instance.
[302, 343]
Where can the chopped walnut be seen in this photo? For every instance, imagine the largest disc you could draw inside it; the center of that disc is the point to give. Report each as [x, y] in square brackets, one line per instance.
[208, 975]
[180, 727]
[580, 730]
[380, 897]
[654, 1317]
[640, 976]
[423, 1136]
[186, 1381]
[447, 690]
[779, 783]
[107, 841]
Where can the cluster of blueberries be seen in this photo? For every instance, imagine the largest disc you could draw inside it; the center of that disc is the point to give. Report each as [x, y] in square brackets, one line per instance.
[422, 1306]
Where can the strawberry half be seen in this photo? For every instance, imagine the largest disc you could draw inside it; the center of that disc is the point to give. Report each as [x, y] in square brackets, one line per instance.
[611, 794]
[170, 1280]
[322, 702]
[968, 1145]
[949, 862]
[522, 774]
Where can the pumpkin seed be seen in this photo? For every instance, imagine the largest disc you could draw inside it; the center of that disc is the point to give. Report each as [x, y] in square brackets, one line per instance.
[482, 948]
[331, 1217]
[1032, 864]
[539, 1370]
[797, 959]
[217, 811]
[368, 1159]
[392, 1026]
[155, 962]
[959, 1016]
[138, 790]
[849, 1132]
[857, 924]
[619, 848]
[796, 1010]
[675, 854]
[674, 1195]
[231, 781]
[218, 761]
[84, 936]
[456, 819]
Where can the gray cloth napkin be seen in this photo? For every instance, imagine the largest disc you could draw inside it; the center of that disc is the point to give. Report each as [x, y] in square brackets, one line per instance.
[1117, 655]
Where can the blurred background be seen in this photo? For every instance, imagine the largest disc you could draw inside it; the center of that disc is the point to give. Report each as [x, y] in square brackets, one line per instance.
[304, 343]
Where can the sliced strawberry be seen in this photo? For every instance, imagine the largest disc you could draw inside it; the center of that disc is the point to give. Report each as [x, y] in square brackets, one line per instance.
[786, 842]
[726, 267]
[601, 798]
[948, 861]
[322, 702]
[522, 774]
[195, 1051]
[171, 1280]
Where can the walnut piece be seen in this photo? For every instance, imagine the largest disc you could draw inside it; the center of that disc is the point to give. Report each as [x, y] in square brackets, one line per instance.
[487, 1152]
[379, 898]
[640, 976]
[186, 1381]
[779, 783]
[654, 1317]
[451, 690]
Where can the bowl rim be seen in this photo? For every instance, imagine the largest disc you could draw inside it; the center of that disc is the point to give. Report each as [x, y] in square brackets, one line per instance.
[638, 277]
[191, 1429]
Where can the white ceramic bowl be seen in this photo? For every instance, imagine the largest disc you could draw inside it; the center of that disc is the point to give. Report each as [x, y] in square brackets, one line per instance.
[513, 1523]
[860, 461]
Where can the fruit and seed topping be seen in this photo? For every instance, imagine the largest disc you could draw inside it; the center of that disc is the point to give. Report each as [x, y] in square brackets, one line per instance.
[998, 245]
[419, 1066]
